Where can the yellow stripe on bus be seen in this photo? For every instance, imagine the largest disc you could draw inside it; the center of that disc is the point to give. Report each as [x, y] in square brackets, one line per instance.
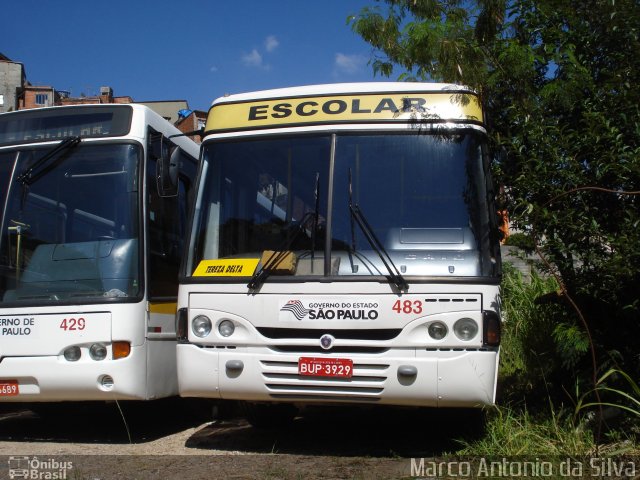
[170, 308]
[336, 108]
[232, 267]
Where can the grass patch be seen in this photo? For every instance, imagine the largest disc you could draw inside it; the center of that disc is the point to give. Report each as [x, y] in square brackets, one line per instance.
[509, 432]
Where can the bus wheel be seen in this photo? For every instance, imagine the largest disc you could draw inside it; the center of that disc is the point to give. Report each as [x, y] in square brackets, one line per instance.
[269, 415]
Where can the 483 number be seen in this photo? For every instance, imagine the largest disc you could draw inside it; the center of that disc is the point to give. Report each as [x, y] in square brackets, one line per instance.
[407, 306]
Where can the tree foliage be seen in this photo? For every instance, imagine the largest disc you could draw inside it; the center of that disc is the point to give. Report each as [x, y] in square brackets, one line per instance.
[560, 85]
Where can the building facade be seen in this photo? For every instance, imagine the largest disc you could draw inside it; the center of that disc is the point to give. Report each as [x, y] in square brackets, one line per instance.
[16, 93]
[190, 121]
[12, 81]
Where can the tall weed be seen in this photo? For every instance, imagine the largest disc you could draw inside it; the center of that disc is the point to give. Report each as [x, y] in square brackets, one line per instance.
[616, 397]
[528, 358]
[509, 432]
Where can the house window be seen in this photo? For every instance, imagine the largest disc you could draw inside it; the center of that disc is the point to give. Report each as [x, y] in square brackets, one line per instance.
[41, 98]
[1, 100]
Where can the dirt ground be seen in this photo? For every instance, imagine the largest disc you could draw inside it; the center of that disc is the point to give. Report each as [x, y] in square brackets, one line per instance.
[161, 441]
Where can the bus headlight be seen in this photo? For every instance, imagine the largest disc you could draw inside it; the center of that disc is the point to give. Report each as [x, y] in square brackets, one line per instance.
[465, 328]
[72, 354]
[201, 326]
[98, 351]
[226, 328]
[437, 330]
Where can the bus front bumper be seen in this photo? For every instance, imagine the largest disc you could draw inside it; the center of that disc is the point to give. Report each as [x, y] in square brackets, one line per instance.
[54, 379]
[408, 377]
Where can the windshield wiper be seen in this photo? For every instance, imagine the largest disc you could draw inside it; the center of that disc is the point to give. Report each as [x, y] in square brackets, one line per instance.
[278, 255]
[356, 214]
[28, 177]
[394, 274]
[316, 219]
[282, 251]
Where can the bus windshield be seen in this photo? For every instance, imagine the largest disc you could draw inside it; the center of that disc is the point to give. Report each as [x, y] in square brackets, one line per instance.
[69, 224]
[424, 197]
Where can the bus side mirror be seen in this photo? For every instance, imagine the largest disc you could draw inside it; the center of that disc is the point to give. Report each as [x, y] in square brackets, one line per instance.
[167, 171]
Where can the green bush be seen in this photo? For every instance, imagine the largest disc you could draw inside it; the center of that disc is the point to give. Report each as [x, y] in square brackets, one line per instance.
[546, 398]
[532, 357]
[522, 241]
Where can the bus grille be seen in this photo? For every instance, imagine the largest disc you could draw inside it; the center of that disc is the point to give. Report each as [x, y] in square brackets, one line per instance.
[307, 349]
[366, 385]
[344, 334]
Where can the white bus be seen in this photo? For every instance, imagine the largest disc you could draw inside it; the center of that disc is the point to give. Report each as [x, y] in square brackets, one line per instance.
[344, 249]
[94, 203]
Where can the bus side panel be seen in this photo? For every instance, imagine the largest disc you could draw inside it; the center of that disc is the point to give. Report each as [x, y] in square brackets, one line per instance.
[128, 322]
[467, 380]
[198, 372]
[162, 374]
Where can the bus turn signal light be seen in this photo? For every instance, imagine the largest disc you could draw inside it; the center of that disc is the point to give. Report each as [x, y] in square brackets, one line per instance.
[121, 350]
[491, 328]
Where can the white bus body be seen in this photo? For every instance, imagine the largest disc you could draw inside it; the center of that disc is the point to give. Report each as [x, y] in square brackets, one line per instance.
[89, 252]
[405, 315]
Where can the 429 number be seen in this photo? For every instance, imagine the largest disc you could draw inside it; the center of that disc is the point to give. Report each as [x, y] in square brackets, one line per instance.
[73, 324]
[407, 306]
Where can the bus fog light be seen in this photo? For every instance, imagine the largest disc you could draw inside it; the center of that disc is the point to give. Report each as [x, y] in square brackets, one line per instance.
[465, 328]
[226, 328]
[72, 354]
[106, 382]
[437, 330]
[98, 351]
[201, 326]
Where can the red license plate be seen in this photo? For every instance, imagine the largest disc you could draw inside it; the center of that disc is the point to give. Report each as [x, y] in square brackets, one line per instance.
[8, 388]
[325, 367]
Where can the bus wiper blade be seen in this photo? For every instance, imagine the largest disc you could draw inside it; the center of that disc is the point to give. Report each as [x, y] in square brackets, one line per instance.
[261, 275]
[27, 177]
[278, 255]
[394, 274]
[316, 220]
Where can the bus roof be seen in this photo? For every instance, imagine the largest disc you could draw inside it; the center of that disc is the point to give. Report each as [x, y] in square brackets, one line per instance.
[343, 88]
[90, 121]
[343, 103]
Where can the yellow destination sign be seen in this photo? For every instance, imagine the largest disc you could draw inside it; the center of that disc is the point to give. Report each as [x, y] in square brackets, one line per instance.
[231, 267]
[365, 108]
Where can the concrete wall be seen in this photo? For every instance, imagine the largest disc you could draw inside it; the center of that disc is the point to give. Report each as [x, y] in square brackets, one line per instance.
[11, 82]
[521, 261]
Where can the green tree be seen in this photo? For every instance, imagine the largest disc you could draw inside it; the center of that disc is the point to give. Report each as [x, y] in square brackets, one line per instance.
[559, 82]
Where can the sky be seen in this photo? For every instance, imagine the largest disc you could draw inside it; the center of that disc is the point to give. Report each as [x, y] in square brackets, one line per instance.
[184, 49]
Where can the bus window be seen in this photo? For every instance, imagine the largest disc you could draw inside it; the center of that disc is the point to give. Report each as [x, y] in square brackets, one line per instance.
[64, 234]
[167, 222]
